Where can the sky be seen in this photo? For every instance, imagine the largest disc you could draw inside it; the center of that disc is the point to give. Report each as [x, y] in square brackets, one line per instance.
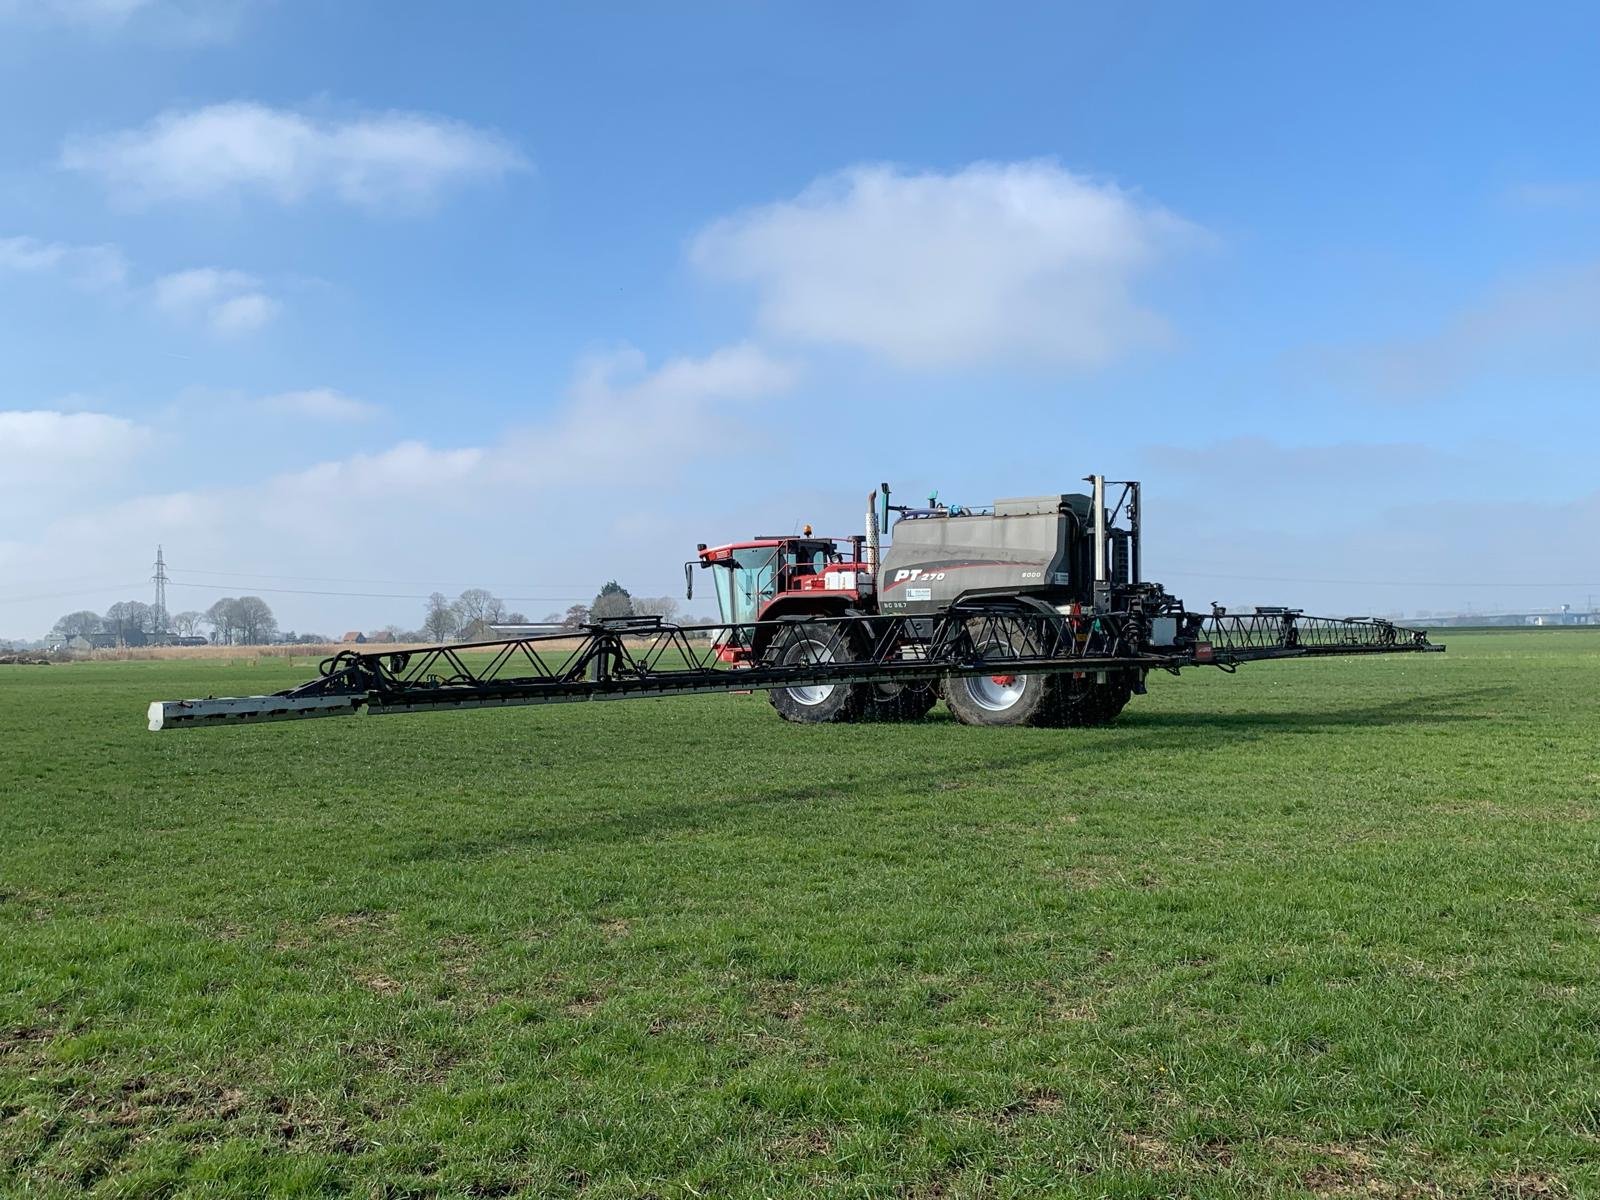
[344, 304]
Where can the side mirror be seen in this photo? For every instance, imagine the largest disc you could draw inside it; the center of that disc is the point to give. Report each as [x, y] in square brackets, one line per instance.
[688, 581]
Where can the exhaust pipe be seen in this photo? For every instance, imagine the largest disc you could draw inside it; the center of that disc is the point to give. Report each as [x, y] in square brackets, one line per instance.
[872, 535]
[1099, 482]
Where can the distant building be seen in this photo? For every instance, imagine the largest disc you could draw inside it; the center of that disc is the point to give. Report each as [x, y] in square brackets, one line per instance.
[108, 640]
[355, 638]
[1564, 616]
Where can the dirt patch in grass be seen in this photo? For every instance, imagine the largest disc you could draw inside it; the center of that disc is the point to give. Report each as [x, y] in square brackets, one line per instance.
[1035, 1102]
[584, 1005]
[351, 923]
[1535, 1185]
[1152, 1151]
[208, 1111]
[1352, 1171]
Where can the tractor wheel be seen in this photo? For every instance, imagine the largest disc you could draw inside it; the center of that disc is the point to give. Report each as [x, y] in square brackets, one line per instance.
[816, 704]
[899, 702]
[1082, 703]
[1003, 698]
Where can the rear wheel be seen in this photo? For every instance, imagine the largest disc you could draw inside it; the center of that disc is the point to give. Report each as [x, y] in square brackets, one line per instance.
[1004, 697]
[816, 644]
[1084, 702]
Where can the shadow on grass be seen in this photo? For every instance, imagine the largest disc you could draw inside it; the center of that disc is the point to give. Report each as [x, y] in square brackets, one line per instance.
[1441, 708]
[1065, 748]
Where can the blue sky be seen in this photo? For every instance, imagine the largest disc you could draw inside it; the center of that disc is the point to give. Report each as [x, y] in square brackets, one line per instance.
[311, 294]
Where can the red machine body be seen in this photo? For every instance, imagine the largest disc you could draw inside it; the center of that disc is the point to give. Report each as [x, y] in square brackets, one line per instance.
[769, 577]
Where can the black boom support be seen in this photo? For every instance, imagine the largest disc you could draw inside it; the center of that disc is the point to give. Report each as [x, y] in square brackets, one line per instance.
[644, 657]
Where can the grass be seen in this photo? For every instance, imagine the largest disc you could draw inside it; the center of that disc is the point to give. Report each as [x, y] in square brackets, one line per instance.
[1324, 928]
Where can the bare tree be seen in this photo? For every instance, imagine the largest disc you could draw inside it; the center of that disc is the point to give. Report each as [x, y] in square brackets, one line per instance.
[78, 624]
[185, 624]
[220, 617]
[440, 621]
[664, 607]
[253, 621]
[127, 617]
[577, 615]
[479, 606]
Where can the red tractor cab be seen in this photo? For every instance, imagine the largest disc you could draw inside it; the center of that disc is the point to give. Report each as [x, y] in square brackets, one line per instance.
[769, 577]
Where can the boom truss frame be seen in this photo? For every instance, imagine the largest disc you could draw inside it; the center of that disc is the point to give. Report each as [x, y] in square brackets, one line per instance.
[648, 657]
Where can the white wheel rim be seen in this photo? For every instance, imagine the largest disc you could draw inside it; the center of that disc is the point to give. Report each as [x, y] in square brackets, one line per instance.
[810, 652]
[996, 693]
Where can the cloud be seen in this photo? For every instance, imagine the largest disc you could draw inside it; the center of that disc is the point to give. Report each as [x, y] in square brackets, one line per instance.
[620, 413]
[59, 450]
[1544, 197]
[320, 404]
[568, 497]
[386, 161]
[934, 270]
[1528, 326]
[173, 20]
[92, 268]
[229, 303]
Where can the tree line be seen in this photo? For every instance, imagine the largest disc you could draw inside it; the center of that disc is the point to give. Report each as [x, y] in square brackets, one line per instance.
[249, 621]
[232, 621]
[471, 616]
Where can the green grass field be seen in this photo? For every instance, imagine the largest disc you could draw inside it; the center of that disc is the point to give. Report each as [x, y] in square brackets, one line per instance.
[1327, 928]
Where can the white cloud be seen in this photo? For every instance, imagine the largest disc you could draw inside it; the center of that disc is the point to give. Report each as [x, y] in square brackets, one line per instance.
[1543, 197]
[59, 450]
[173, 20]
[320, 404]
[932, 270]
[385, 161]
[243, 314]
[228, 302]
[99, 14]
[372, 476]
[93, 268]
[568, 498]
[622, 415]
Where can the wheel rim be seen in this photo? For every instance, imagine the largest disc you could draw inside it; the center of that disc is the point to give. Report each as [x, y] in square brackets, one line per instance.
[810, 652]
[996, 693]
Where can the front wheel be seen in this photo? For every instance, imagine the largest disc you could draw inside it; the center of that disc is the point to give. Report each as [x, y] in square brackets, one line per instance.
[818, 644]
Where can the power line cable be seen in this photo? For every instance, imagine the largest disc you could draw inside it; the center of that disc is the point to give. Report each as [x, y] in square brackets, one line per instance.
[83, 591]
[1477, 583]
[336, 579]
[221, 587]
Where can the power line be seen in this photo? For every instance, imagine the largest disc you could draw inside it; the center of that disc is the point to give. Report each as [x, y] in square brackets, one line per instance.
[1476, 583]
[68, 595]
[336, 579]
[221, 587]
